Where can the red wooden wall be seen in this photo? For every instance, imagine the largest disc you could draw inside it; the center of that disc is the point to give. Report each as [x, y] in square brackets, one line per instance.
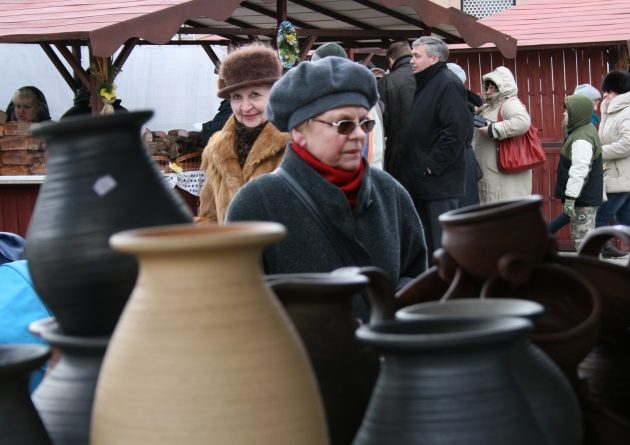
[544, 78]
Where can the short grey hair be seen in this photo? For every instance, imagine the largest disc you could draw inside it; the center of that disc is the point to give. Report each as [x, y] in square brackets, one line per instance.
[434, 45]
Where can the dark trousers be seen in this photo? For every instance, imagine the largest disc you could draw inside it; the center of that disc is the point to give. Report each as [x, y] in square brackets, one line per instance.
[617, 206]
[429, 210]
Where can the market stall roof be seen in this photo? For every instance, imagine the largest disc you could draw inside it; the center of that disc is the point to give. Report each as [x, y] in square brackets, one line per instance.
[564, 23]
[106, 25]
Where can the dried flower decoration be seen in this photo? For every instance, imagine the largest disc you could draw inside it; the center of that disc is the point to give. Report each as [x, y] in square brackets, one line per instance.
[105, 74]
[288, 49]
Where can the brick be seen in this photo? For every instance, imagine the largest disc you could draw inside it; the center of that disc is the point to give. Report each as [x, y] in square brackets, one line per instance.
[14, 170]
[16, 128]
[8, 143]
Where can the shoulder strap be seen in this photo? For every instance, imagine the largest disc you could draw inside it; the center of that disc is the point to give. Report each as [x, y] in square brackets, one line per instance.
[339, 242]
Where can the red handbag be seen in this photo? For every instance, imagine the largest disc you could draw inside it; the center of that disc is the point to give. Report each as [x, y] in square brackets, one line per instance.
[520, 153]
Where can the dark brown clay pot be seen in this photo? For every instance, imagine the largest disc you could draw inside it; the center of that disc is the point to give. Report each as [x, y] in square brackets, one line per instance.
[19, 422]
[570, 325]
[320, 307]
[509, 236]
[99, 180]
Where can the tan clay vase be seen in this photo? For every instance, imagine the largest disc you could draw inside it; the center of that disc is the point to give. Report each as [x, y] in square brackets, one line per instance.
[203, 352]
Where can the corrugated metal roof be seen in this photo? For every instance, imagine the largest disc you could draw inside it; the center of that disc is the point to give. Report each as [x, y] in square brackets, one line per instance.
[565, 22]
[107, 24]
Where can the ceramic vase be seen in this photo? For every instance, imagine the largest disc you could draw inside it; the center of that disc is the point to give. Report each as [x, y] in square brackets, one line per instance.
[65, 396]
[99, 180]
[448, 382]
[320, 307]
[203, 352]
[19, 422]
[548, 393]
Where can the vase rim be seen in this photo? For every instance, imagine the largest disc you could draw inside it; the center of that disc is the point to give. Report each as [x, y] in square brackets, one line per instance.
[89, 122]
[492, 211]
[433, 334]
[191, 237]
[22, 356]
[52, 333]
[472, 307]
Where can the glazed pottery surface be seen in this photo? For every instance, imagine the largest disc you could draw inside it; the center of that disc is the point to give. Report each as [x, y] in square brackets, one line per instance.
[320, 307]
[203, 352]
[19, 422]
[448, 382]
[479, 237]
[99, 180]
[549, 394]
[65, 396]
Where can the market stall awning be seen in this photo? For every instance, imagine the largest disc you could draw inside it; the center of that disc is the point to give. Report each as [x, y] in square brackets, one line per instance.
[106, 25]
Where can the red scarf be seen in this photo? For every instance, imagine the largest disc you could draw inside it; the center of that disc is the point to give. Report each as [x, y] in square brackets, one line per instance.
[349, 182]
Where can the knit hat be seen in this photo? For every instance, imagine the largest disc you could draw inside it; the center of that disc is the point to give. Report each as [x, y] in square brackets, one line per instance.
[587, 90]
[11, 247]
[313, 88]
[249, 65]
[329, 49]
[457, 70]
[617, 81]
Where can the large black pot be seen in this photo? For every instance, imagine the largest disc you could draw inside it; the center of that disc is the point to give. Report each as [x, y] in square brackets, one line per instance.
[451, 381]
[99, 180]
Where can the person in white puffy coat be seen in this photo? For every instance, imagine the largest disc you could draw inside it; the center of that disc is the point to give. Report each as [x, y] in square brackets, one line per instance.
[614, 133]
[500, 92]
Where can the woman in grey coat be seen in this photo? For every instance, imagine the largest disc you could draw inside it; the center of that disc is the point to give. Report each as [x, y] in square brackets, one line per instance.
[324, 105]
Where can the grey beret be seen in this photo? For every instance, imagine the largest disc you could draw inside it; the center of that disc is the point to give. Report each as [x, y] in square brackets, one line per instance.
[313, 88]
[588, 90]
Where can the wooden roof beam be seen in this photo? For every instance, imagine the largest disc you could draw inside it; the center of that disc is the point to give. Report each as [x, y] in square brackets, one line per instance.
[333, 14]
[74, 64]
[56, 61]
[448, 38]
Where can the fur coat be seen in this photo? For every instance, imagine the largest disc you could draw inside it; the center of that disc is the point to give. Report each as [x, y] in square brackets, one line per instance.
[224, 175]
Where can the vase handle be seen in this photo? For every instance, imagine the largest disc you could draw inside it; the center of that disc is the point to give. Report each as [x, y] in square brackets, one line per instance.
[597, 238]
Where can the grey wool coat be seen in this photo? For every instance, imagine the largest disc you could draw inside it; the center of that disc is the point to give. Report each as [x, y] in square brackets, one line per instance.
[383, 226]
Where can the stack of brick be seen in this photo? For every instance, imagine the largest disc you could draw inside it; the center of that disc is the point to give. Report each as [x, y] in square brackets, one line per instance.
[20, 153]
[173, 144]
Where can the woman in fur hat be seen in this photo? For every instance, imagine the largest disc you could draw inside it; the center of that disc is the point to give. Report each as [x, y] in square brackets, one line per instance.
[614, 132]
[248, 145]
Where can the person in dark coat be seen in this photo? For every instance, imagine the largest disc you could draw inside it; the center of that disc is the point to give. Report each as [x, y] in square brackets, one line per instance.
[396, 91]
[82, 105]
[473, 171]
[431, 160]
[324, 105]
[217, 122]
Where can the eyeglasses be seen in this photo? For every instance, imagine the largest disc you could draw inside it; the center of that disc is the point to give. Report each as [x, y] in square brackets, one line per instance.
[347, 127]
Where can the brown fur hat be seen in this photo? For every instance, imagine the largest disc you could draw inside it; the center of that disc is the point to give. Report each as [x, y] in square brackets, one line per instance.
[249, 65]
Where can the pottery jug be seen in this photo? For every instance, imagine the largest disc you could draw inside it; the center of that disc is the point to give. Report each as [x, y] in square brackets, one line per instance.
[320, 307]
[507, 237]
[549, 394]
[99, 180]
[65, 396]
[19, 422]
[203, 352]
[448, 382]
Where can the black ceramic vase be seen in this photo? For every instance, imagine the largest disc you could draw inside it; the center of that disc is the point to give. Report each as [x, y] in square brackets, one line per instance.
[100, 180]
[448, 382]
[320, 307]
[19, 422]
[65, 396]
[548, 392]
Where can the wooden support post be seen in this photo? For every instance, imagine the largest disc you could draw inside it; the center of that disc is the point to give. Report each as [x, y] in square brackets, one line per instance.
[60, 66]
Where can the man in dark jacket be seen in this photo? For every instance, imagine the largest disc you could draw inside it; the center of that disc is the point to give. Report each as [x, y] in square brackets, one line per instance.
[396, 91]
[431, 159]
